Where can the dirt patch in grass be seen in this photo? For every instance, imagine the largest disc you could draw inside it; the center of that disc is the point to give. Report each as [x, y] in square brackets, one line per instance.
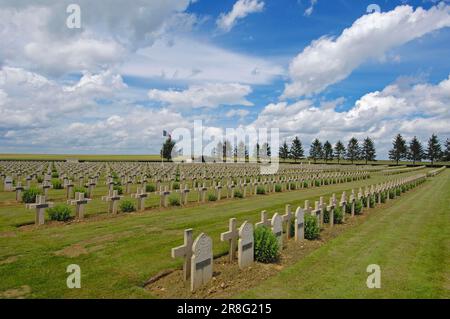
[9, 260]
[8, 234]
[91, 245]
[228, 280]
[16, 293]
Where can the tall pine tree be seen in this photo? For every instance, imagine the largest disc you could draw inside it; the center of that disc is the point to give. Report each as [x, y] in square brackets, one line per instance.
[296, 149]
[166, 150]
[327, 151]
[353, 150]
[284, 151]
[415, 150]
[316, 150]
[433, 149]
[399, 150]
[368, 150]
[446, 155]
[339, 151]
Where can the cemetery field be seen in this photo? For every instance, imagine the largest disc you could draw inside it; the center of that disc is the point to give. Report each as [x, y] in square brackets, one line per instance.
[60, 157]
[410, 240]
[117, 254]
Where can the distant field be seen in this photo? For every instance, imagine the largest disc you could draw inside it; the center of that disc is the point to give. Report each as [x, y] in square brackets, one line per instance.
[61, 157]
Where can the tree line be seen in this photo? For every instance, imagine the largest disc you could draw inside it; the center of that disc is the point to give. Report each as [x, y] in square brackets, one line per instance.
[353, 151]
[415, 152]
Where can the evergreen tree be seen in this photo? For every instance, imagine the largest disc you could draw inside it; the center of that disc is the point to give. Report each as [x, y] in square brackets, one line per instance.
[353, 150]
[327, 151]
[415, 150]
[316, 150]
[284, 151]
[296, 151]
[368, 150]
[166, 150]
[446, 153]
[339, 151]
[433, 149]
[399, 149]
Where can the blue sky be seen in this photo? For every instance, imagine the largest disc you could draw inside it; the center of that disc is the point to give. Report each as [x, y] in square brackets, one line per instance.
[326, 69]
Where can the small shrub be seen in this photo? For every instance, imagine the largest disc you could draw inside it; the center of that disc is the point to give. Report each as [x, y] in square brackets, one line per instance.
[29, 195]
[119, 189]
[358, 207]
[292, 228]
[305, 184]
[56, 183]
[293, 186]
[174, 201]
[238, 194]
[80, 190]
[247, 180]
[312, 230]
[127, 206]
[59, 212]
[391, 194]
[266, 245]
[278, 188]
[349, 179]
[212, 197]
[317, 183]
[364, 202]
[55, 175]
[325, 182]
[40, 179]
[403, 189]
[338, 215]
[398, 192]
[372, 202]
[176, 185]
[150, 188]
[383, 197]
[260, 190]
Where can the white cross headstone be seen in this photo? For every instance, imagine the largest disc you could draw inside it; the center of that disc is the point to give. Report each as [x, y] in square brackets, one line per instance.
[245, 245]
[201, 261]
[185, 251]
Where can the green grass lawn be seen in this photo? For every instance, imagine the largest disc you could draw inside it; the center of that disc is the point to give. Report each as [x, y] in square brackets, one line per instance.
[117, 255]
[410, 241]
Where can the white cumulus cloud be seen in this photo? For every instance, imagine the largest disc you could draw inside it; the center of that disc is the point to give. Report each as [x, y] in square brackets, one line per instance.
[329, 60]
[241, 9]
[208, 95]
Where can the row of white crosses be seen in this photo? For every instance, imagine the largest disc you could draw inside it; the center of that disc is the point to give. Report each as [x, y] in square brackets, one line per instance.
[198, 254]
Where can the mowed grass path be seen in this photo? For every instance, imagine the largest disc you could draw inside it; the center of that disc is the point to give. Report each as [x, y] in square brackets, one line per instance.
[409, 240]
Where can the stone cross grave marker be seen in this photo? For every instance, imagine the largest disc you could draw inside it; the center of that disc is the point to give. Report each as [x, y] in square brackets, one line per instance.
[264, 220]
[45, 187]
[277, 228]
[19, 189]
[287, 220]
[164, 197]
[231, 236]
[91, 186]
[7, 185]
[299, 224]
[69, 188]
[245, 245]
[201, 261]
[185, 251]
[343, 205]
[40, 207]
[140, 195]
[184, 195]
[79, 203]
[330, 209]
[113, 199]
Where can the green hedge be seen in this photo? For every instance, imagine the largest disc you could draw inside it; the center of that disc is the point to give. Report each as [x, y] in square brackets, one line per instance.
[60, 212]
